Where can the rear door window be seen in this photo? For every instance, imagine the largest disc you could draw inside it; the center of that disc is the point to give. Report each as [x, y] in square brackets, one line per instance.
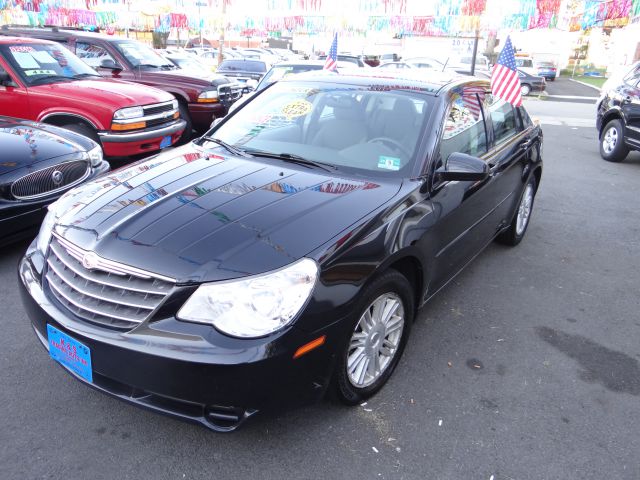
[92, 54]
[503, 119]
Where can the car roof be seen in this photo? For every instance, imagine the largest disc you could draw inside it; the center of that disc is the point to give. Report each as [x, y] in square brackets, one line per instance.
[58, 32]
[420, 80]
[6, 40]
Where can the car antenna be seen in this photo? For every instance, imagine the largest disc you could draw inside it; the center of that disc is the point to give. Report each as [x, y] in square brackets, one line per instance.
[446, 62]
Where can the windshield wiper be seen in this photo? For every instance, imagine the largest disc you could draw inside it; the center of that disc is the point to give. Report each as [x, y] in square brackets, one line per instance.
[85, 75]
[51, 78]
[293, 158]
[147, 65]
[168, 66]
[230, 148]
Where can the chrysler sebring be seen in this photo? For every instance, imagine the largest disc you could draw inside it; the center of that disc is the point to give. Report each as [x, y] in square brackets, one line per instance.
[284, 254]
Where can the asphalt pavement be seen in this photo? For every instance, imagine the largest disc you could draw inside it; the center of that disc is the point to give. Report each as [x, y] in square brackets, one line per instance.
[525, 367]
[568, 90]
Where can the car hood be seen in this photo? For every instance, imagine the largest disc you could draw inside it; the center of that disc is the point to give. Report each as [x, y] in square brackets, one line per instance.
[189, 77]
[195, 215]
[107, 93]
[27, 143]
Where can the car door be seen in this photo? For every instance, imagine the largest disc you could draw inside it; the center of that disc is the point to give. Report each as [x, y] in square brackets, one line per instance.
[630, 104]
[461, 207]
[511, 147]
[14, 96]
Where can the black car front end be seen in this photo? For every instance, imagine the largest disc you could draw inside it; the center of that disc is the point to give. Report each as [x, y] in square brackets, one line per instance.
[184, 369]
[41, 163]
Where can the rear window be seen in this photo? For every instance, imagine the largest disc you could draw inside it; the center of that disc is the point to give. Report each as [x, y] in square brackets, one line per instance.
[524, 62]
[243, 66]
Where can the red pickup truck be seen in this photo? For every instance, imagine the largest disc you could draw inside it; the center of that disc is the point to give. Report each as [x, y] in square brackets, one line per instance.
[43, 81]
[201, 98]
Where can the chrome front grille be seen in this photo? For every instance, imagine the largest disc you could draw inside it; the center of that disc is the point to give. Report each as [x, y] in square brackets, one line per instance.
[229, 93]
[157, 108]
[50, 180]
[111, 294]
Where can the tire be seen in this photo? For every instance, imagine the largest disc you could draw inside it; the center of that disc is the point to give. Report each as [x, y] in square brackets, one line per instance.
[525, 89]
[553, 79]
[188, 129]
[391, 287]
[612, 147]
[513, 235]
[84, 130]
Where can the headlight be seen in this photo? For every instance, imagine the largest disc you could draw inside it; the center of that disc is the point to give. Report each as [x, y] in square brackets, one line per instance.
[174, 104]
[128, 113]
[254, 306]
[208, 96]
[46, 229]
[95, 155]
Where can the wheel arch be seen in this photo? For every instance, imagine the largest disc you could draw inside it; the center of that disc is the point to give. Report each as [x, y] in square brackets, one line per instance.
[607, 117]
[411, 267]
[60, 119]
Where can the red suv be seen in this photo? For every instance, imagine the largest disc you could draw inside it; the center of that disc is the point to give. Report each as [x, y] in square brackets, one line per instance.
[43, 81]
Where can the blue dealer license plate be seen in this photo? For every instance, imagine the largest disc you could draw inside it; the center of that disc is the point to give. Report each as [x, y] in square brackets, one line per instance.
[70, 353]
[166, 142]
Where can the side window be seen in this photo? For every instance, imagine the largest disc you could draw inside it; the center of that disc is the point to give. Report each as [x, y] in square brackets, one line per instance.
[503, 119]
[464, 130]
[92, 54]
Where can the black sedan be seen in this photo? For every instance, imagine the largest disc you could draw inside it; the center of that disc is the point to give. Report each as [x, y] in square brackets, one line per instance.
[531, 83]
[286, 252]
[37, 164]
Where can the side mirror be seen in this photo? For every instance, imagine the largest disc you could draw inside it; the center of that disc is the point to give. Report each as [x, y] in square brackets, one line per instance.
[462, 168]
[110, 64]
[5, 79]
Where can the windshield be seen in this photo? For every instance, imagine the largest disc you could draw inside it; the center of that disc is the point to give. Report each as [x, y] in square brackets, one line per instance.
[187, 63]
[278, 72]
[350, 127]
[243, 66]
[139, 55]
[37, 64]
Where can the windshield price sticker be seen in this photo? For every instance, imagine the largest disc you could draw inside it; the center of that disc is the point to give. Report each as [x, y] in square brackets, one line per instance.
[21, 49]
[33, 73]
[297, 108]
[389, 163]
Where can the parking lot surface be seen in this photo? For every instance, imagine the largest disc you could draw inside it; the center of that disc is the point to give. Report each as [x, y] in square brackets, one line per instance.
[527, 366]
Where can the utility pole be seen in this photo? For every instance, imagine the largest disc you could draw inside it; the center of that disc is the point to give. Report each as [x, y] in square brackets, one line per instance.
[475, 53]
[224, 26]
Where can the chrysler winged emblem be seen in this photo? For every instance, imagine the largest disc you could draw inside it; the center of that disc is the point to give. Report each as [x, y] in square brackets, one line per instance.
[90, 260]
[57, 177]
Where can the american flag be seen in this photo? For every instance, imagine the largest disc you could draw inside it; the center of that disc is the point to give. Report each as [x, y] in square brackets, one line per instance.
[470, 100]
[332, 56]
[505, 82]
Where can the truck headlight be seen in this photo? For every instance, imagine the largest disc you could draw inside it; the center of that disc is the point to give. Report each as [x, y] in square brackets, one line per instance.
[128, 113]
[208, 96]
[253, 306]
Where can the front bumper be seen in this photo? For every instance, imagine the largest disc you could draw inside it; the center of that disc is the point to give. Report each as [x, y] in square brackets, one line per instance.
[187, 370]
[145, 141]
[202, 114]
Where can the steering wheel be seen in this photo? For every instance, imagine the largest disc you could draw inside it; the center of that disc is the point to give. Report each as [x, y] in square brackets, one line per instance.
[392, 143]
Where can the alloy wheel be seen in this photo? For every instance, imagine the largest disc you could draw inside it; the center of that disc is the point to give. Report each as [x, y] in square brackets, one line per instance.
[610, 140]
[375, 340]
[524, 210]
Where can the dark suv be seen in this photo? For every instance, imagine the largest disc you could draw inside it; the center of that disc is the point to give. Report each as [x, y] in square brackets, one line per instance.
[618, 117]
[201, 100]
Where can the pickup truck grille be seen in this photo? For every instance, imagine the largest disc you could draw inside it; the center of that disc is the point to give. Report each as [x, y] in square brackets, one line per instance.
[105, 295]
[50, 180]
[229, 93]
[157, 108]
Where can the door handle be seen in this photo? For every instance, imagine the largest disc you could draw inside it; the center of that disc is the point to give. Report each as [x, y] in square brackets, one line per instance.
[526, 144]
